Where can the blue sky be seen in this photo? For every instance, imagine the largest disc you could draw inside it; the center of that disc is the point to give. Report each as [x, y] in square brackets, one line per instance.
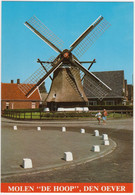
[21, 47]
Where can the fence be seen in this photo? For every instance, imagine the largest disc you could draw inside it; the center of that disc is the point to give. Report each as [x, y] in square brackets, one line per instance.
[39, 115]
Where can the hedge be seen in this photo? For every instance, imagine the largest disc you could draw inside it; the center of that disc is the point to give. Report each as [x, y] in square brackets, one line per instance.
[25, 110]
[107, 107]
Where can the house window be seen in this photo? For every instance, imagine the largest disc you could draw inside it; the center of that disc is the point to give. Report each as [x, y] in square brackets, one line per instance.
[124, 102]
[33, 105]
[110, 102]
[92, 103]
[7, 105]
[12, 106]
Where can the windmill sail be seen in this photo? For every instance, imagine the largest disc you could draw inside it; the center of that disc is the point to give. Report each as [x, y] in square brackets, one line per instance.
[98, 88]
[91, 86]
[38, 77]
[44, 33]
[88, 38]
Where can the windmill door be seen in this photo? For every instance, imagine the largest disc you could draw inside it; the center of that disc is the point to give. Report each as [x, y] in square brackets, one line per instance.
[53, 106]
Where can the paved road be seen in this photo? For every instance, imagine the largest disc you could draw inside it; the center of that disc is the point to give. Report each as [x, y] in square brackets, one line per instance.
[115, 167]
[126, 124]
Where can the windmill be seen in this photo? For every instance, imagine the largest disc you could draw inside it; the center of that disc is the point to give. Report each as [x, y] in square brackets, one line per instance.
[67, 88]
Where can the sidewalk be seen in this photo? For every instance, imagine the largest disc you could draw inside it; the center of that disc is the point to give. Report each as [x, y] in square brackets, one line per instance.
[46, 147]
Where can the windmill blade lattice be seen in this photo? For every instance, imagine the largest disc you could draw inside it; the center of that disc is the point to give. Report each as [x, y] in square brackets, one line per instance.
[73, 77]
[90, 39]
[100, 89]
[44, 33]
[28, 84]
[90, 86]
[94, 88]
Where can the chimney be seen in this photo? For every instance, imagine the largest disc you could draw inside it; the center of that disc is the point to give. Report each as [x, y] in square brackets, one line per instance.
[18, 81]
[12, 81]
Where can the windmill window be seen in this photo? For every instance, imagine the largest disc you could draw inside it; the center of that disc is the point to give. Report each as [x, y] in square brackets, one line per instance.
[54, 95]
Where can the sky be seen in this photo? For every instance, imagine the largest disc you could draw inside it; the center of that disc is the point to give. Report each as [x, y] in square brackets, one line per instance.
[68, 20]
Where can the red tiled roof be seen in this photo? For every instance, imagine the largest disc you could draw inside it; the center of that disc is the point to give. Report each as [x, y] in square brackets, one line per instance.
[10, 91]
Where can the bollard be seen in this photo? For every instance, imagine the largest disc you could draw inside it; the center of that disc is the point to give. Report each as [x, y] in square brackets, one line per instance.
[63, 129]
[82, 131]
[15, 127]
[104, 136]
[68, 156]
[38, 128]
[106, 142]
[27, 163]
[96, 148]
[96, 132]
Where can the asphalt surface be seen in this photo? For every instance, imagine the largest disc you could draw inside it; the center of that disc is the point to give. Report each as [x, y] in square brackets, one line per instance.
[115, 167]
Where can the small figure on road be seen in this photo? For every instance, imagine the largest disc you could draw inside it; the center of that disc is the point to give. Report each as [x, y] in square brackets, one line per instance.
[104, 116]
[98, 115]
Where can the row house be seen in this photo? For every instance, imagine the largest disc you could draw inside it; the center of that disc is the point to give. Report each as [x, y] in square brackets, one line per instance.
[121, 93]
[13, 98]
